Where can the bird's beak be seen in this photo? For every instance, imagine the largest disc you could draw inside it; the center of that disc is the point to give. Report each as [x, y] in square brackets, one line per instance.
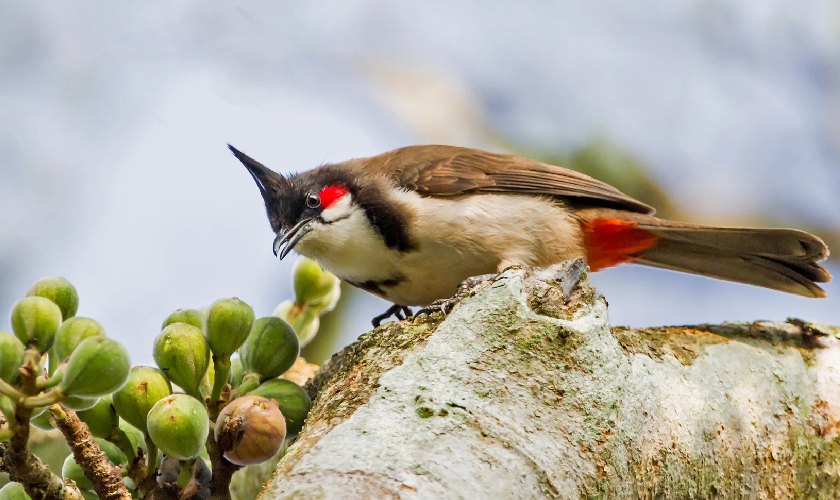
[285, 241]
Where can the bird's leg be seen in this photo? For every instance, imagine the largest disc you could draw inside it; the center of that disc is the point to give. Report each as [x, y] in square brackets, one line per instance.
[464, 289]
[396, 310]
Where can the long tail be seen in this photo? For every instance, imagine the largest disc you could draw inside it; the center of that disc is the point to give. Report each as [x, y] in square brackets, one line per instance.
[781, 259]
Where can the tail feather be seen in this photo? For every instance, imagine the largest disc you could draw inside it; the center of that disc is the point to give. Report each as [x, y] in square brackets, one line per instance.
[783, 243]
[781, 259]
[792, 277]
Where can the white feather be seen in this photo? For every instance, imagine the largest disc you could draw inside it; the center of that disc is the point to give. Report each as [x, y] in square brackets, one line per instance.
[455, 238]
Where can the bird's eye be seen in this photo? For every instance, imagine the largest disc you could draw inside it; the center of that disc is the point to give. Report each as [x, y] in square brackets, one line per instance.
[313, 200]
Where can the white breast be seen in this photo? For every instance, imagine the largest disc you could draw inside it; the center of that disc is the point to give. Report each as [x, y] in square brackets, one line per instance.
[455, 238]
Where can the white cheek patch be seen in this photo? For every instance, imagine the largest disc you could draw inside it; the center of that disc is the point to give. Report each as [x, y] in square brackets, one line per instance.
[340, 209]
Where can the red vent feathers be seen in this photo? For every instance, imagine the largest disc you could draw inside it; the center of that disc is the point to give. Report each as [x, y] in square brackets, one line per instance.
[331, 194]
[610, 242]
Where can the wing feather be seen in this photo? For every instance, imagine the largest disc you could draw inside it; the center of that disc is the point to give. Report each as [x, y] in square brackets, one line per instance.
[451, 171]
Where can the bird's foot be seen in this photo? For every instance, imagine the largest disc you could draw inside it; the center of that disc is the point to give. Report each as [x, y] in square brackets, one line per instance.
[397, 311]
[464, 290]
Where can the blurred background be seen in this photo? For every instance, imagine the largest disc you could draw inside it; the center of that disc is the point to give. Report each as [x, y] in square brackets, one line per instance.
[115, 117]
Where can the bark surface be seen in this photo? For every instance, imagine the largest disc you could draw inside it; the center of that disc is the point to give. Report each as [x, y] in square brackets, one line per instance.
[524, 391]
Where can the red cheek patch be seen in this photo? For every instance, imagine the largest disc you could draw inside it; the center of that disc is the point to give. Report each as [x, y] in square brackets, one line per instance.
[331, 194]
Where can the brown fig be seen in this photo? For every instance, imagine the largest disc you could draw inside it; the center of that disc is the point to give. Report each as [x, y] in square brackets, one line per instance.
[250, 430]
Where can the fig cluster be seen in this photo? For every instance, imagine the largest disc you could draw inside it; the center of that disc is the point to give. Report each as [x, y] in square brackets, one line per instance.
[217, 385]
[221, 367]
[53, 356]
[195, 353]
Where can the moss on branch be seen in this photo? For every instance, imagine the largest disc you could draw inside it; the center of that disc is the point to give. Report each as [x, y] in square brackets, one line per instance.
[526, 390]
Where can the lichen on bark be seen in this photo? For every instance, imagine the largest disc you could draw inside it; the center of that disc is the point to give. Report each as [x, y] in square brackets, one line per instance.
[525, 391]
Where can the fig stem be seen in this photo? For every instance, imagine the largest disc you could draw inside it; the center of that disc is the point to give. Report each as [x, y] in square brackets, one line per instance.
[44, 399]
[221, 366]
[10, 391]
[249, 382]
[51, 381]
[151, 460]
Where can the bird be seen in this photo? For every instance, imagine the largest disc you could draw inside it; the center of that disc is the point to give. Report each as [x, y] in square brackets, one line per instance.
[412, 224]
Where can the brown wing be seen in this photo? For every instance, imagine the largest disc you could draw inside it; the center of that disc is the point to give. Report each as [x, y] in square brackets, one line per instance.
[451, 171]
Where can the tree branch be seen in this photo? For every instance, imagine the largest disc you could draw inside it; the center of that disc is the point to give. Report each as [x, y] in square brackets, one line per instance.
[105, 476]
[525, 390]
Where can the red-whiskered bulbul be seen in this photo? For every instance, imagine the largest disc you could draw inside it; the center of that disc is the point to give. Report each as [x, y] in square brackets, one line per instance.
[411, 224]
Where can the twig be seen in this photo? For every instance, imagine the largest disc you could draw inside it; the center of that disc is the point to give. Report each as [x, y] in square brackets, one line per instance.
[49, 382]
[222, 470]
[17, 459]
[144, 478]
[43, 399]
[8, 390]
[104, 475]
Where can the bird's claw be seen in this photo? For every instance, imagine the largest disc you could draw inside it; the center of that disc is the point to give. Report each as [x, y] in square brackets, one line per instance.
[397, 311]
[441, 305]
[445, 306]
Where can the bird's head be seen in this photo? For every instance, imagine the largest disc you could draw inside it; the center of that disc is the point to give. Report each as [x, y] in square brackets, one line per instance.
[300, 204]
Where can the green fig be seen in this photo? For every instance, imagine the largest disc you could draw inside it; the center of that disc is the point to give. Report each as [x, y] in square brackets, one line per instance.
[250, 430]
[271, 348]
[308, 331]
[97, 367]
[41, 419]
[328, 302]
[12, 353]
[292, 400]
[135, 436]
[229, 322]
[145, 387]
[182, 353]
[192, 317]
[60, 291]
[304, 320]
[72, 470]
[287, 312]
[72, 332]
[101, 418]
[13, 491]
[35, 320]
[178, 425]
[236, 372]
[78, 403]
[7, 408]
[206, 386]
[311, 283]
[112, 451]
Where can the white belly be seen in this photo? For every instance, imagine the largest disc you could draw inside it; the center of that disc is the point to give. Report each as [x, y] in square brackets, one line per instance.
[455, 239]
